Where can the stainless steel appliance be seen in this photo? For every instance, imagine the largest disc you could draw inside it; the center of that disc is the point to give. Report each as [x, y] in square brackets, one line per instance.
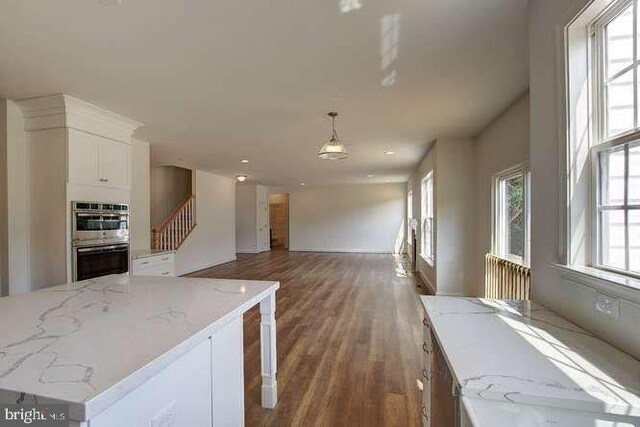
[100, 239]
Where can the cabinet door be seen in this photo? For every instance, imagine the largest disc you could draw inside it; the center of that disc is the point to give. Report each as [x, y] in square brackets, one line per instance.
[179, 395]
[228, 374]
[113, 168]
[83, 158]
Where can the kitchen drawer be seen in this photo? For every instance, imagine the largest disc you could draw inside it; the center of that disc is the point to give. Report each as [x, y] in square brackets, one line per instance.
[160, 265]
[164, 269]
[153, 260]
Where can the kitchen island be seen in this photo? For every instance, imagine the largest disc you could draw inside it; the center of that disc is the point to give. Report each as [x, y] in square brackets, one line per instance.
[135, 350]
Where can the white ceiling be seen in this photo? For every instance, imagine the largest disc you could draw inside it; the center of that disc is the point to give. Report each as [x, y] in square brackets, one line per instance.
[216, 81]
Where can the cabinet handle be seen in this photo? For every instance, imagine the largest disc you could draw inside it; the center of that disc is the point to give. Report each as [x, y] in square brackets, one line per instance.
[424, 374]
[165, 259]
[425, 348]
[425, 322]
[424, 412]
[144, 262]
[166, 273]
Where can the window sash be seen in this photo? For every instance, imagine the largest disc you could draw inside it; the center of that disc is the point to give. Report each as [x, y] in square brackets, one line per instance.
[598, 71]
[500, 228]
[600, 208]
[602, 142]
[426, 223]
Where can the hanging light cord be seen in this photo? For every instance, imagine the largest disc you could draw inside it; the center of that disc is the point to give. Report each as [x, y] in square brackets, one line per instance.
[334, 134]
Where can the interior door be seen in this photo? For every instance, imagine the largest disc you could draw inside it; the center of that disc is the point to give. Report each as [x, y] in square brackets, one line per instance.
[263, 219]
[114, 164]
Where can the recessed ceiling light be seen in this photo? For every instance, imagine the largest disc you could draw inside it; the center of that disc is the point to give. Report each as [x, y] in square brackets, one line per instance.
[369, 176]
[389, 153]
[244, 160]
[302, 183]
[241, 178]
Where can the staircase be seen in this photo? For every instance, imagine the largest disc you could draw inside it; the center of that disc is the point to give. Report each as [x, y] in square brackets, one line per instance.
[176, 228]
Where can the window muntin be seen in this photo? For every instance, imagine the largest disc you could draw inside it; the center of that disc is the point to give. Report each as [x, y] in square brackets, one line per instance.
[616, 148]
[617, 71]
[618, 209]
[512, 215]
[427, 249]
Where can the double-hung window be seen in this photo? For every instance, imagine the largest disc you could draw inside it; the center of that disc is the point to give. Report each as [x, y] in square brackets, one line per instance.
[615, 153]
[426, 223]
[511, 215]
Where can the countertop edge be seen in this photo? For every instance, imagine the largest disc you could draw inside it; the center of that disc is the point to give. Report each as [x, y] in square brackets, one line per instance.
[88, 410]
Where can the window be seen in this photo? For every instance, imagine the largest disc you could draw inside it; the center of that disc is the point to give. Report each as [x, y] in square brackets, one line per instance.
[615, 152]
[409, 206]
[426, 223]
[511, 215]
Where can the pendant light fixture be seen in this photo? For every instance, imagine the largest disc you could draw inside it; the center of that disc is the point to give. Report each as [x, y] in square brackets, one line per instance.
[333, 149]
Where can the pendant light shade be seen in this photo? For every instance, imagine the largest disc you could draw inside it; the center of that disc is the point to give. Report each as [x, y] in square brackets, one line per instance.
[333, 149]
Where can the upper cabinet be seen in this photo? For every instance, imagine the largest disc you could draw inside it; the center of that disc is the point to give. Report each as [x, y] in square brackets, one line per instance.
[98, 161]
[113, 164]
[98, 142]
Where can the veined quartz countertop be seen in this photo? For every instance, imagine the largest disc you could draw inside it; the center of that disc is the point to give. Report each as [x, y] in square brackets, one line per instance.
[520, 352]
[91, 342]
[492, 413]
[146, 253]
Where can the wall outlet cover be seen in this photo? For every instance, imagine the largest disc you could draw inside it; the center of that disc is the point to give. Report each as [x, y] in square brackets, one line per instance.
[166, 417]
[608, 306]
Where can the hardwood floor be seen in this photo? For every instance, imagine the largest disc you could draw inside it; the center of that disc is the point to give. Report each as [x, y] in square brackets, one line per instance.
[349, 339]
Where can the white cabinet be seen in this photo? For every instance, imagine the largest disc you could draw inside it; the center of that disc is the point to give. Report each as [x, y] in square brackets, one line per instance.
[113, 164]
[83, 158]
[155, 265]
[180, 395]
[98, 161]
[205, 387]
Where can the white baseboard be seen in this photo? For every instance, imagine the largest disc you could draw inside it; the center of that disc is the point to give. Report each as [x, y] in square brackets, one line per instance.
[345, 251]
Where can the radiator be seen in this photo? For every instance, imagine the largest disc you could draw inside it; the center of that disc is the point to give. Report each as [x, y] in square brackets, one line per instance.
[505, 279]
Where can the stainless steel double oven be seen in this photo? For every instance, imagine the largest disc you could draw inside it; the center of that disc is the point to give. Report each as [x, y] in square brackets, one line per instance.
[100, 239]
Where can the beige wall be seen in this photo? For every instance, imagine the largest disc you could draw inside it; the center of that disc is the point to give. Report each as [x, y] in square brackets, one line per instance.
[570, 298]
[213, 240]
[4, 222]
[170, 186]
[501, 145]
[140, 221]
[346, 218]
[452, 163]
[428, 163]
[246, 218]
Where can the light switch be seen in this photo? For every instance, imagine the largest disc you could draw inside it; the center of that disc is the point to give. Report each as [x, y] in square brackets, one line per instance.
[166, 417]
[608, 305]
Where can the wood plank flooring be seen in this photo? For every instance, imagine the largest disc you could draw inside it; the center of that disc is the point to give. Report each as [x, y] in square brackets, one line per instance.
[349, 339]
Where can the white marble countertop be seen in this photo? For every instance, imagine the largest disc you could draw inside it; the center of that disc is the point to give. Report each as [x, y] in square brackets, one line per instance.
[487, 413]
[146, 253]
[520, 352]
[89, 343]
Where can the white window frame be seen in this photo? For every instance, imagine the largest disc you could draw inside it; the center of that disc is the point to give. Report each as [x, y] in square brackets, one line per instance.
[499, 222]
[427, 219]
[602, 143]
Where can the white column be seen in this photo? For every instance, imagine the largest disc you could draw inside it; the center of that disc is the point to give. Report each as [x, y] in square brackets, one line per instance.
[268, 351]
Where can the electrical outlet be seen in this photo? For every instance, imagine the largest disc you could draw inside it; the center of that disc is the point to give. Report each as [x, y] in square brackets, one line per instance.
[608, 306]
[166, 417]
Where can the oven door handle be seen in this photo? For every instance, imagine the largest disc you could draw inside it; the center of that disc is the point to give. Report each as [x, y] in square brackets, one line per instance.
[102, 249]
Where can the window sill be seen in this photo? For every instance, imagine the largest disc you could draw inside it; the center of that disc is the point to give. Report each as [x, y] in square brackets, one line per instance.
[427, 259]
[612, 284]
